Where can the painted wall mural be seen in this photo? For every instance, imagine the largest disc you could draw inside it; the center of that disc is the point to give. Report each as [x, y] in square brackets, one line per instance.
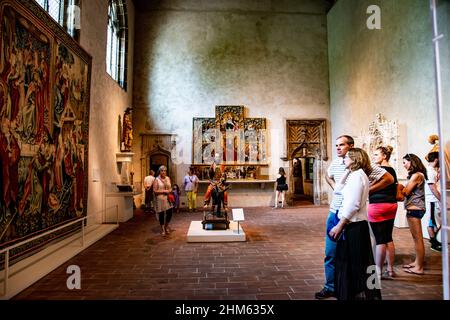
[44, 114]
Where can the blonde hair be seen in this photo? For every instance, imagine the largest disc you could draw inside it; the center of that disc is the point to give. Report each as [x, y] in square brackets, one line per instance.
[360, 160]
[387, 151]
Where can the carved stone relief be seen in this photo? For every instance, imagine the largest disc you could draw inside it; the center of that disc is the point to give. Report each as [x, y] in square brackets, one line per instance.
[382, 132]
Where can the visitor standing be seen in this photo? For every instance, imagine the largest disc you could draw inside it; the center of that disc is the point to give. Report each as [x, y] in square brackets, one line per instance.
[190, 186]
[334, 174]
[176, 197]
[414, 193]
[148, 187]
[379, 179]
[354, 249]
[162, 187]
[432, 198]
[381, 214]
[281, 188]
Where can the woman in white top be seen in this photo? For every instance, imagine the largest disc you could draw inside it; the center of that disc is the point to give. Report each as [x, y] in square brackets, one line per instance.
[161, 188]
[354, 250]
[148, 186]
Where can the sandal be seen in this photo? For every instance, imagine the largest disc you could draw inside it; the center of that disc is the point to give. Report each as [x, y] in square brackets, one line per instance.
[388, 275]
[414, 272]
[408, 266]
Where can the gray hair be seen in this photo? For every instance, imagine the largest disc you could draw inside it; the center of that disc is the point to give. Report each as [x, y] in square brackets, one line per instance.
[161, 168]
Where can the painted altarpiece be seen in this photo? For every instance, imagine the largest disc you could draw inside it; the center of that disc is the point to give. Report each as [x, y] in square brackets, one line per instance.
[44, 114]
[236, 139]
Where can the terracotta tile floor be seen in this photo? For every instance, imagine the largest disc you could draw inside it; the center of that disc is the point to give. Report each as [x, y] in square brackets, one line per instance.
[281, 259]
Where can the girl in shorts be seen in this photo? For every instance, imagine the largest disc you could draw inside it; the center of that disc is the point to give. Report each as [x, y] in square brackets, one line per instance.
[414, 193]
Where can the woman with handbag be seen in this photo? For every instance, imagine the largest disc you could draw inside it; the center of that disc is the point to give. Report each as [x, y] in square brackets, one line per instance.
[162, 188]
[281, 188]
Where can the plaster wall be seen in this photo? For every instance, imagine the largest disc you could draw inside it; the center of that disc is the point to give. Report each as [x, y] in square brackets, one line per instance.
[108, 100]
[268, 56]
[389, 71]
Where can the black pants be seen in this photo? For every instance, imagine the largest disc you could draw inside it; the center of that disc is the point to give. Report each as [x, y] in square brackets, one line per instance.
[165, 216]
[148, 198]
[353, 257]
[383, 231]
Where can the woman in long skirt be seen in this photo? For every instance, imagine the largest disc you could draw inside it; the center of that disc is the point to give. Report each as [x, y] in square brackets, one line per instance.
[355, 273]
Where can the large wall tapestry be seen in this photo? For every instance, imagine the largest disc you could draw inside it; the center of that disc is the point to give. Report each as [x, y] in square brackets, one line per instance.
[44, 113]
[236, 139]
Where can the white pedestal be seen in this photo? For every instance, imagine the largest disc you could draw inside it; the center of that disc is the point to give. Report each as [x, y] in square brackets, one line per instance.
[197, 234]
[244, 193]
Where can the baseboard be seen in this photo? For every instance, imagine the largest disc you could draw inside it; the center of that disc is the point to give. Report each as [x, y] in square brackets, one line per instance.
[27, 271]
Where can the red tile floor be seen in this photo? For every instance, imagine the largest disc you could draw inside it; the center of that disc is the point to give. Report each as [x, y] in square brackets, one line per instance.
[281, 259]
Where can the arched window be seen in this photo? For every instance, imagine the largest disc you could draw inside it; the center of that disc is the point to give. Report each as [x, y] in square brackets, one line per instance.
[117, 42]
[55, 8]
[66, 13]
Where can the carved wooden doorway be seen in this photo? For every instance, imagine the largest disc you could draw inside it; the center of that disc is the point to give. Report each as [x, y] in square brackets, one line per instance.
[306, 153]
[156, 150]
[158, 159]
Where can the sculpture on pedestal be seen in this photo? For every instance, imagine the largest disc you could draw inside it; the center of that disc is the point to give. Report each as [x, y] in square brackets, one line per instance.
[382, 132]
[127, 133]
[217, 217]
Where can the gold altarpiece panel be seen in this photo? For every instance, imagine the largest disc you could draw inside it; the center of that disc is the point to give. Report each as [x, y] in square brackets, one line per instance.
[239, 143]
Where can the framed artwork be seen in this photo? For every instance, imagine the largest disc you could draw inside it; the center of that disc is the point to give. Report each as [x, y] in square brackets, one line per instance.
[44, 114]
[229, 118]
[255, 140]
[230, 136]
[204, 136]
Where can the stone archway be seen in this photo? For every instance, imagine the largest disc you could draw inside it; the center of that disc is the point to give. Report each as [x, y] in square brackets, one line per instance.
[157, 149]
[307, 152]
[157, 158]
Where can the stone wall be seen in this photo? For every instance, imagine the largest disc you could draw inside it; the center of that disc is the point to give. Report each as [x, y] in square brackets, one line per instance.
[389, 71]
[268, 56]
[108, 100]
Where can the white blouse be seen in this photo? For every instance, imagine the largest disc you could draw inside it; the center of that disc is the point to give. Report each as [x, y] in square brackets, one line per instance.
[356, 194]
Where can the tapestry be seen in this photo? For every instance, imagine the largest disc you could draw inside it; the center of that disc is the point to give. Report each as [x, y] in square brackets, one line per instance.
[230, 137]
[44, 114]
